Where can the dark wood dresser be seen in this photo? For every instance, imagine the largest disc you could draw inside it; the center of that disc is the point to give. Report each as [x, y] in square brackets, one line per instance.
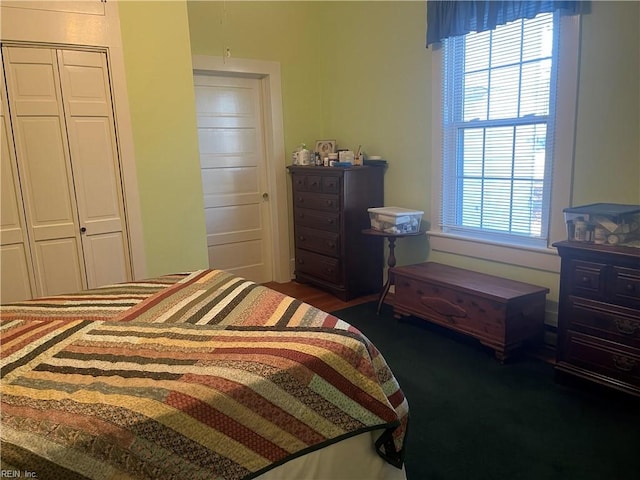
[500, 313]
[599, 315]
[330, 211]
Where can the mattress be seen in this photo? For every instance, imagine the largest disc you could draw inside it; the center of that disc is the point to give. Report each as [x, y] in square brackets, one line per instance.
[195, 375]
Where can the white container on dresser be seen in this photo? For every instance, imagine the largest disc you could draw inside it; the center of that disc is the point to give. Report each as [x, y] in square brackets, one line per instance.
[599, 315]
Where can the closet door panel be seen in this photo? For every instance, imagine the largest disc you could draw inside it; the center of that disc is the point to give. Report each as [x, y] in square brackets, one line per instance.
[96, 177]
[94, 158]
[16, 270]
[14, 273]
[11, 229]
[50, 206]
[105, 260]
[85, 83]
[32, 81]
[45, 178]
[58, 267]
[74, 6]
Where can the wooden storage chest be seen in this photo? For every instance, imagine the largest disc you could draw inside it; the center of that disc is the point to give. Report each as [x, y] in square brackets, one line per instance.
[500, 313]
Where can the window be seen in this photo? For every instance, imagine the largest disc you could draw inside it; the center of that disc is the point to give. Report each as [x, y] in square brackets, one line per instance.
[496, 121]
[506, 139]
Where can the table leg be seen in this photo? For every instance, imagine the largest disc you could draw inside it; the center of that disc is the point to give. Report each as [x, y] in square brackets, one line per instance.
[383, 294]
[391, 262]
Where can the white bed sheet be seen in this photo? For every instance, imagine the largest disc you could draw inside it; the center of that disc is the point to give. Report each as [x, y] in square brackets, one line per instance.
[354, 458]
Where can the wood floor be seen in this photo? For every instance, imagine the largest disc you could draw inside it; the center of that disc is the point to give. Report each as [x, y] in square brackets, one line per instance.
[316, 297]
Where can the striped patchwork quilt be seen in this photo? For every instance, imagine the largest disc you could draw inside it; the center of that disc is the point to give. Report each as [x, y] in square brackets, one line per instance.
[196, 375]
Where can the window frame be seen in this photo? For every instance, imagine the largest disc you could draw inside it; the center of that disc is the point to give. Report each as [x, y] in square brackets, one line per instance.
[563, 153]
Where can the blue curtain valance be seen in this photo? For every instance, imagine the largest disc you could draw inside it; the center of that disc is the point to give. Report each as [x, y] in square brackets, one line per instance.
[452, 18]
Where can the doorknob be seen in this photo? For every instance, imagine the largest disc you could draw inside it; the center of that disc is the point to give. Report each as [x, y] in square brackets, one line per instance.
[83, 229]
[265, 196]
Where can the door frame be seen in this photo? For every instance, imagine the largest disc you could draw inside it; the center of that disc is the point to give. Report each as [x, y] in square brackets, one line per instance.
[268, 75]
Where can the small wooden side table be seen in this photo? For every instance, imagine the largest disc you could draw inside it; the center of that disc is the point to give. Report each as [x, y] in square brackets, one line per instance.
[391, 259]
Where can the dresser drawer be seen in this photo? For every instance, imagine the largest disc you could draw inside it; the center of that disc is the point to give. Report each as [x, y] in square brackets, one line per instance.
[316, 265]
[608, 321]
[319, 241]
[317, 183]
[626, 286]
[317, 201]
[307, 183]
[316, 219]
[331, 184]
[602, 357]
[458, 310]
[587, 279]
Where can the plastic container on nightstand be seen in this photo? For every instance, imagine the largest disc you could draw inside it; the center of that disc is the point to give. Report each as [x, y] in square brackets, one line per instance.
[395, 219]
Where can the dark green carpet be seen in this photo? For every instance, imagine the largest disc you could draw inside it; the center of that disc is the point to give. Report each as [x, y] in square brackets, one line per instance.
[472, 418]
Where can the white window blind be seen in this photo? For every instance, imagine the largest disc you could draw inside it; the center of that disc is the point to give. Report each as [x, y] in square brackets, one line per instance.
[498, 129]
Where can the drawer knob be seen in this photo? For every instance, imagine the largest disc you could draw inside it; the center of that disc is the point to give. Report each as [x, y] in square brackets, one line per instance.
[301, 261]
[630, 287]
[331, 221]
[585, 280]
[301, 200]
[626, 326]
[624, 364]
[301, 238]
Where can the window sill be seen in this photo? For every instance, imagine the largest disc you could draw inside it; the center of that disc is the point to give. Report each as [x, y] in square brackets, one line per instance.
[545, 259]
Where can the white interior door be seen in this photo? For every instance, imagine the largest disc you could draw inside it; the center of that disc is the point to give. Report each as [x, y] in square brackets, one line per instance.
[45, 169]
[16, 277]
[98, 189]
[232, 160]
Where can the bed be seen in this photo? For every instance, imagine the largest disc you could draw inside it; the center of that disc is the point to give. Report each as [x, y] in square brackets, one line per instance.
[196, 375]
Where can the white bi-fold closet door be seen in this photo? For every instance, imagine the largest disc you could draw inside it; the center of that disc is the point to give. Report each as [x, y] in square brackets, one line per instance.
[68, 185]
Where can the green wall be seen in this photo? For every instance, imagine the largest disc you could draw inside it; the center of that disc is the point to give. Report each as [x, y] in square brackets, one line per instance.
[357, 72]
[377, 93]
[607, 166]
[157, 55]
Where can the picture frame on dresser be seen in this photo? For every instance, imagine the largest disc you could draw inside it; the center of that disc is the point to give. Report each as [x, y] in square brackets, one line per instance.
[325, 147]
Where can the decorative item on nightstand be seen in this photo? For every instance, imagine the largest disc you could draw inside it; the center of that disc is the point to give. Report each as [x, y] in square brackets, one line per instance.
[396, 220]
